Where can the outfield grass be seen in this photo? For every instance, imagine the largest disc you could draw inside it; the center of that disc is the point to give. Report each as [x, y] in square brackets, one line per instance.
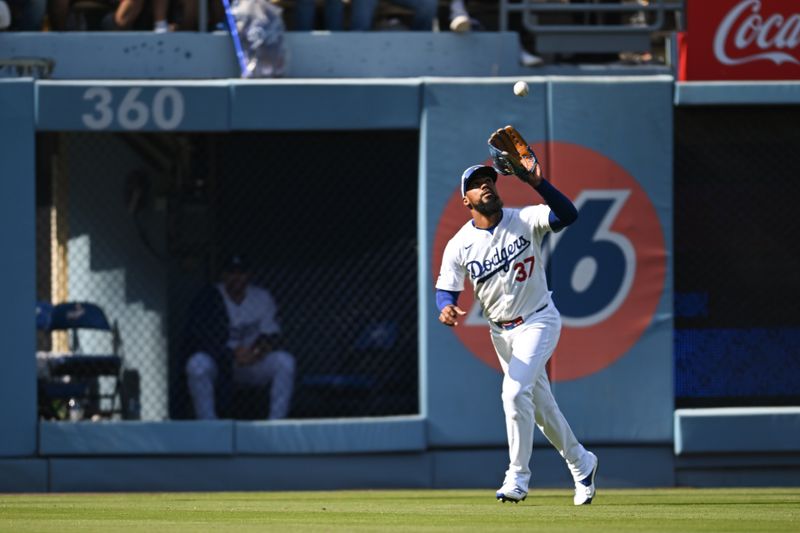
[678, 510]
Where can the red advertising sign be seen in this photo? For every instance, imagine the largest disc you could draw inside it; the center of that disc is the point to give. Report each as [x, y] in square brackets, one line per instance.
[741, 40]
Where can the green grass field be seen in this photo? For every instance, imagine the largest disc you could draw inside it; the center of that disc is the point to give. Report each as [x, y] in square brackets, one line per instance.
[679, 510]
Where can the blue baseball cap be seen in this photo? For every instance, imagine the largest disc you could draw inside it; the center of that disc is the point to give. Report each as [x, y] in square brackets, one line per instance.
[236, 263]
[476, 171]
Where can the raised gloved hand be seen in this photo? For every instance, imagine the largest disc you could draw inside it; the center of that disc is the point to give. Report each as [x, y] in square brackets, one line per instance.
[511, 155]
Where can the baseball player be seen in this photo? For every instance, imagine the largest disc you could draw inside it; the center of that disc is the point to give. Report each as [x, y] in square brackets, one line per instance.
[499, 250]
[234, 335]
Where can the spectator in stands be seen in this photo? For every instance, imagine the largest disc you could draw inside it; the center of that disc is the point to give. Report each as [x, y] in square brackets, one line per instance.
[460, 21]
[459, 17]
[122, 15]
[58, 11]
[160, 8]
[233, 340]
[363, 13]
[125, 15]
[528, 59]
[638, 18]
[189, 20]
[5, 15]
[22, 15]
[305, 10]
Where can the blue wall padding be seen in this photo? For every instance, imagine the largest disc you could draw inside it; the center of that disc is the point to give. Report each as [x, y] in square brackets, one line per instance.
[389, 434]
[463, 404]
[737, 429]
[126, 55]
[18, 280]
[479, 468]
[23, 475]
[736, 93]
[224, 437]
[716, 363]
[202, 56]
[326, 105]
[240, 473]
[484, 467]
[628, 401]
[136, 438]
[84, 105]
[288, 105]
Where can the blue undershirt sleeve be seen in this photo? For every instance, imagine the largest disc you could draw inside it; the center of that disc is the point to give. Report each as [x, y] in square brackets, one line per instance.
[562, 210]
[444, 298]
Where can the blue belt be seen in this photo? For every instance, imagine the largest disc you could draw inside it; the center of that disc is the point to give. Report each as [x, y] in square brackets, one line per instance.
[511, 324]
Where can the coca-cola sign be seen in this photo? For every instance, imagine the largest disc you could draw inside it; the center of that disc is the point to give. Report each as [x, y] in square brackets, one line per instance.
[742, 40]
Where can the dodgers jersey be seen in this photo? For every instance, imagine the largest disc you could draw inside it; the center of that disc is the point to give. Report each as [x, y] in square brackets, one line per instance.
[505, 266]
[254, 316]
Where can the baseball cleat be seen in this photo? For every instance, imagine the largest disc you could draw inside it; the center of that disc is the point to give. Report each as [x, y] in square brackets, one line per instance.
[584, 489]
[511, 493]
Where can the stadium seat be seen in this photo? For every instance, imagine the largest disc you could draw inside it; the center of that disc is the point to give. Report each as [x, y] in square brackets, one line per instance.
[77, 385]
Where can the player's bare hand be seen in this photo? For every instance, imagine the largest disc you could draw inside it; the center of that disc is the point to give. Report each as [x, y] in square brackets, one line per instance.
[449, 315]
[243, 356]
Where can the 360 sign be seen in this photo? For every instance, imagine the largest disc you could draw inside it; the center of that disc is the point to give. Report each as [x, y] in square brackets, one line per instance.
[166, 109]
[606, 271]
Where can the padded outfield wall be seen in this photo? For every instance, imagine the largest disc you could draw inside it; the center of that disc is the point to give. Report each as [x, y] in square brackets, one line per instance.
[605, 141]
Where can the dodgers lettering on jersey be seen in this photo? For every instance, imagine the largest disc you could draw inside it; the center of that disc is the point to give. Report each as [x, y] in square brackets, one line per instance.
[504, 266]
[499, 260]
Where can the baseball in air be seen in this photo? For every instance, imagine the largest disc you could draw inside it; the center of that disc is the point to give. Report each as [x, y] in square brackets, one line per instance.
[521, 88]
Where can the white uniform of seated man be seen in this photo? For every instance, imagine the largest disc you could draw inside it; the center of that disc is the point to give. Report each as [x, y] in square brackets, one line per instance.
[253, 331]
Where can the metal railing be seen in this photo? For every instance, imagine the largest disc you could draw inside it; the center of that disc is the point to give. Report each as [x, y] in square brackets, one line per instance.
[591, 36]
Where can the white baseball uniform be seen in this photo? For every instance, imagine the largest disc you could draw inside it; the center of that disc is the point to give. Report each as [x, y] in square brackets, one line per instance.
[253, 317]
[506, 269]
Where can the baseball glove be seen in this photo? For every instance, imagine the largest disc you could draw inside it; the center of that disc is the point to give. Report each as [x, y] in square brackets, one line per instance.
[511, 153]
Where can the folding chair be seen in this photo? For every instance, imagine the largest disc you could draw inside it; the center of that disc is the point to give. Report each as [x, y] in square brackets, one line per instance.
[89, 383]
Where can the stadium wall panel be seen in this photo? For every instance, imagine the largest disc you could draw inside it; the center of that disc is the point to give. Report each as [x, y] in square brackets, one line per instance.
[628, 402]
[736, 93]
[737, 430]
[194, 55]
[478, 468]
[593, 147]
[319, 472]
[344, 435]
[18, 280]
[196, 437]
[24, 475]
[441, 469]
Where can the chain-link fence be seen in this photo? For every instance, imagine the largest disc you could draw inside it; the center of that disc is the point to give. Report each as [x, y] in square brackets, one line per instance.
[737, 259]
[141, 225]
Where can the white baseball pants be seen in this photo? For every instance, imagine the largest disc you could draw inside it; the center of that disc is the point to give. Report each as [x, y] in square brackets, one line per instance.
[276, 368]
[527, 398]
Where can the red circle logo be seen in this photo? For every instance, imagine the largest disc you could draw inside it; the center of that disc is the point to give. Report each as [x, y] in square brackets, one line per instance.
[606, 271]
